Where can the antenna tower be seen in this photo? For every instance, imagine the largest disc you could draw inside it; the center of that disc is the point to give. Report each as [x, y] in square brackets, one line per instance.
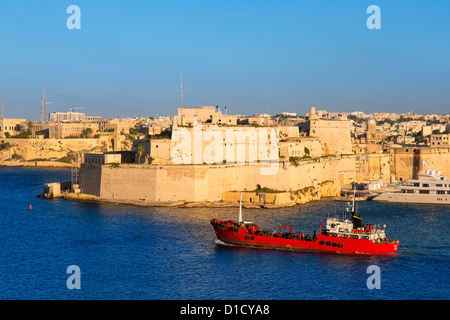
[43, 106]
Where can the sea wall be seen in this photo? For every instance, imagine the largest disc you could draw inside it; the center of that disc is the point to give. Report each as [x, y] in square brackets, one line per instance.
[193, 183]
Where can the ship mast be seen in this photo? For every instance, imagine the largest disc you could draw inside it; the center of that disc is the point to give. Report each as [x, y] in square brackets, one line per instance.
[354, 196]
[240, 209]
[351, 206]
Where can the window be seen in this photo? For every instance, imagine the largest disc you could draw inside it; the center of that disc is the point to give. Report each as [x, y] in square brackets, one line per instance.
[425, 185]
[424, 191]
[440, 192]
[438, 185]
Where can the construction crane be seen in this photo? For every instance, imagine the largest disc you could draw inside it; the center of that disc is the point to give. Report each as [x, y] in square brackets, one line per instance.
[74, 108]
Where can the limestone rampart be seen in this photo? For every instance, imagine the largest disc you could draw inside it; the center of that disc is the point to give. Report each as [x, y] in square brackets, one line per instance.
[407, 162]
[194, 183]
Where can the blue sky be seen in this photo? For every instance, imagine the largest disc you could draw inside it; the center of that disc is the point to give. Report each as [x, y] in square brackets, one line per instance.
[253, 56]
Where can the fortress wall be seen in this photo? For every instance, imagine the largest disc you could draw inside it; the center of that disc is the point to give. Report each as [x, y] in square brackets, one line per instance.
[373, 167]
[407, 162]
[209, 182]
[436, 158]
[404, 162]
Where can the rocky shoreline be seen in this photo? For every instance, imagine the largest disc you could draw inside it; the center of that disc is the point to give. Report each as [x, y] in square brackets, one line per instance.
[177, 204]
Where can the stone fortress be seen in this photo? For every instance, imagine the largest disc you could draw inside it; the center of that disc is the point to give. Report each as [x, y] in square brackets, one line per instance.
[300, 161]
[315, 158]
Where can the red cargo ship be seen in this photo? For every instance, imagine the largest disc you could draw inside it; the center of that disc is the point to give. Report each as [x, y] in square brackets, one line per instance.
[339, 235]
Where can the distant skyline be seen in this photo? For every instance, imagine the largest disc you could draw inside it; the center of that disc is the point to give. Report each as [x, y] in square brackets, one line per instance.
[253, 56]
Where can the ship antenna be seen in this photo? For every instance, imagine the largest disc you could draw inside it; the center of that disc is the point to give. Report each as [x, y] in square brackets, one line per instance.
[240, 209]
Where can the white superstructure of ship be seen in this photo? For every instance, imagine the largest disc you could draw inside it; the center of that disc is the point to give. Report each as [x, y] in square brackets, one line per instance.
[429, 187]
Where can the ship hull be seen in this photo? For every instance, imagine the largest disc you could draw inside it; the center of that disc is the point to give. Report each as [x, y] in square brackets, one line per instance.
[399, 197]
[322, 243]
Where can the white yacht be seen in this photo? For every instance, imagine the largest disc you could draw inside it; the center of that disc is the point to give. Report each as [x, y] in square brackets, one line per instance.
[430, 187]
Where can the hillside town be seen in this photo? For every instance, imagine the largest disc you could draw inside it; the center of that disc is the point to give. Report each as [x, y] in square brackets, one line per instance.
[359, 133]
[318, 148]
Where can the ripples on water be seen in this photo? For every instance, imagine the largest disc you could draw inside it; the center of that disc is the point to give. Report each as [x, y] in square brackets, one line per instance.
[128, 252]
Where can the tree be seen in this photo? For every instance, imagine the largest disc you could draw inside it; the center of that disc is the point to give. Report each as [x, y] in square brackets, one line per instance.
[140, 152]
[306, 151]
[24, 134]
[86, 133]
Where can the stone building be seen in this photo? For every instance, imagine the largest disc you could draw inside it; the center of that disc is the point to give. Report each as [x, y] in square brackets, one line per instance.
[205, 114]
[61, 130]
[12, 126]
[300, 147]
[373, 137]
[333, 134]
[440, 140]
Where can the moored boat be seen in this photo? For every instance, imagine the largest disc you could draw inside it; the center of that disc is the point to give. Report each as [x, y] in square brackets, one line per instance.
[430, 187]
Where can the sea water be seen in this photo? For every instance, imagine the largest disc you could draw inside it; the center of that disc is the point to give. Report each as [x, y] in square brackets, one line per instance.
[130, 252]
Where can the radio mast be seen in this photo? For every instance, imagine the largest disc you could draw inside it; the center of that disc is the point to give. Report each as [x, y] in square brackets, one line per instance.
[43, 106]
